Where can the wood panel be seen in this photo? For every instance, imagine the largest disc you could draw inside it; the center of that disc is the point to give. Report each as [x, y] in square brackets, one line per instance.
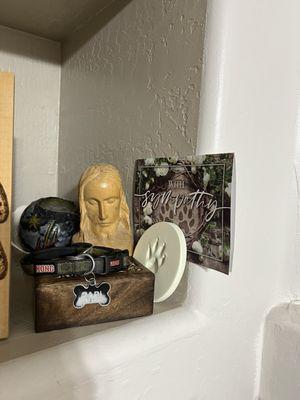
[6, 146]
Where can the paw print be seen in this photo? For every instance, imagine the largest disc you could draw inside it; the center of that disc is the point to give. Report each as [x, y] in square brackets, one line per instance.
[155, 256]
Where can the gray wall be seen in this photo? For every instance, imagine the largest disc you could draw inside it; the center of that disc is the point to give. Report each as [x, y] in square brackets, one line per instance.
[130, 88]
[36, 65]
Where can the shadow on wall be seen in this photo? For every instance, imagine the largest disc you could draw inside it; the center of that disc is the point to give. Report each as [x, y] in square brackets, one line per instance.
[18, 43]
[75, 41]
[12, 40]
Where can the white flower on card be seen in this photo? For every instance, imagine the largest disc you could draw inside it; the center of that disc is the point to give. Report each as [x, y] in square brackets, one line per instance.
[206, 178]
[173, 160]
[197, 247]
[162, 170]
[148, 220]
[228, 189]
[220, 249]
[149, 161]
[148, 209]
[139, 232]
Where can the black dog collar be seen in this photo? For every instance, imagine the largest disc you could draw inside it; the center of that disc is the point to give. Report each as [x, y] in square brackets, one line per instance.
[78, 259]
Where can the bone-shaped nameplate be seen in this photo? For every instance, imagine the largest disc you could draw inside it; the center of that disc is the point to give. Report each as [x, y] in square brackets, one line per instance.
[3, 262]
[92, 294]
[4, 209]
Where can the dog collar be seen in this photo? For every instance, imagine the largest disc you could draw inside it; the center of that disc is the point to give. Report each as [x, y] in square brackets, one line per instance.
[78, 259]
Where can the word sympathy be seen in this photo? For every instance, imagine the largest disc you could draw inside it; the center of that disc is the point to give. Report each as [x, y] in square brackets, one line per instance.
[194, 200]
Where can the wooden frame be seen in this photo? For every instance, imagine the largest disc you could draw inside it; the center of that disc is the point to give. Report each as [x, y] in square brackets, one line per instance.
[6, 146]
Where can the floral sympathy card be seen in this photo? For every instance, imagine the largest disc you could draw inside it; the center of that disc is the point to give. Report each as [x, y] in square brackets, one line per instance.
[193, 192]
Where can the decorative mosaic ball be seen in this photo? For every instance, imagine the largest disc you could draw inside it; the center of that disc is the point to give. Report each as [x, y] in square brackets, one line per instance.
[48, 222]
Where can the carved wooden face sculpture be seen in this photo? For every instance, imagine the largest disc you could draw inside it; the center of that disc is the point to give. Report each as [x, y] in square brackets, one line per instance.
[103, 201]
[104, 213]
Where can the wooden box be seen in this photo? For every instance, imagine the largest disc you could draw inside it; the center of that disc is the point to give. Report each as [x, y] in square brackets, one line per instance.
[68, 302]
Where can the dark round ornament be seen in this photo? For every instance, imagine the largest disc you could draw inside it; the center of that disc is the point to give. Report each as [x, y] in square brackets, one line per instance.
[48, 222]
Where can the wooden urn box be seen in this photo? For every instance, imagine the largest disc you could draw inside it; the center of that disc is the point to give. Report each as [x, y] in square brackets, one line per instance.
[71, 301]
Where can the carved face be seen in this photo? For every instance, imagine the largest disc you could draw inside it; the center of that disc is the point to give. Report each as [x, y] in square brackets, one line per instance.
[102, 201]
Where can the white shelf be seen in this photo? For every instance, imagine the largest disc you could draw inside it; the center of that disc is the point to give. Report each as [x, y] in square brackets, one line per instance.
[24, 341]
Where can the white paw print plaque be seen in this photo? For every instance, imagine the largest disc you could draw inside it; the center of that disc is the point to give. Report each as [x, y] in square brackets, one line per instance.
[162, 249]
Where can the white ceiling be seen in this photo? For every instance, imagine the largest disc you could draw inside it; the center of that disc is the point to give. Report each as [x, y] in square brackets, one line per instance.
[53, 19]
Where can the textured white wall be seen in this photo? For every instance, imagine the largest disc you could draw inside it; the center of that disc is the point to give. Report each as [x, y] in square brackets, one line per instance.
[132, 89]
[36, 65]
[281, 354]
[250, 105]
